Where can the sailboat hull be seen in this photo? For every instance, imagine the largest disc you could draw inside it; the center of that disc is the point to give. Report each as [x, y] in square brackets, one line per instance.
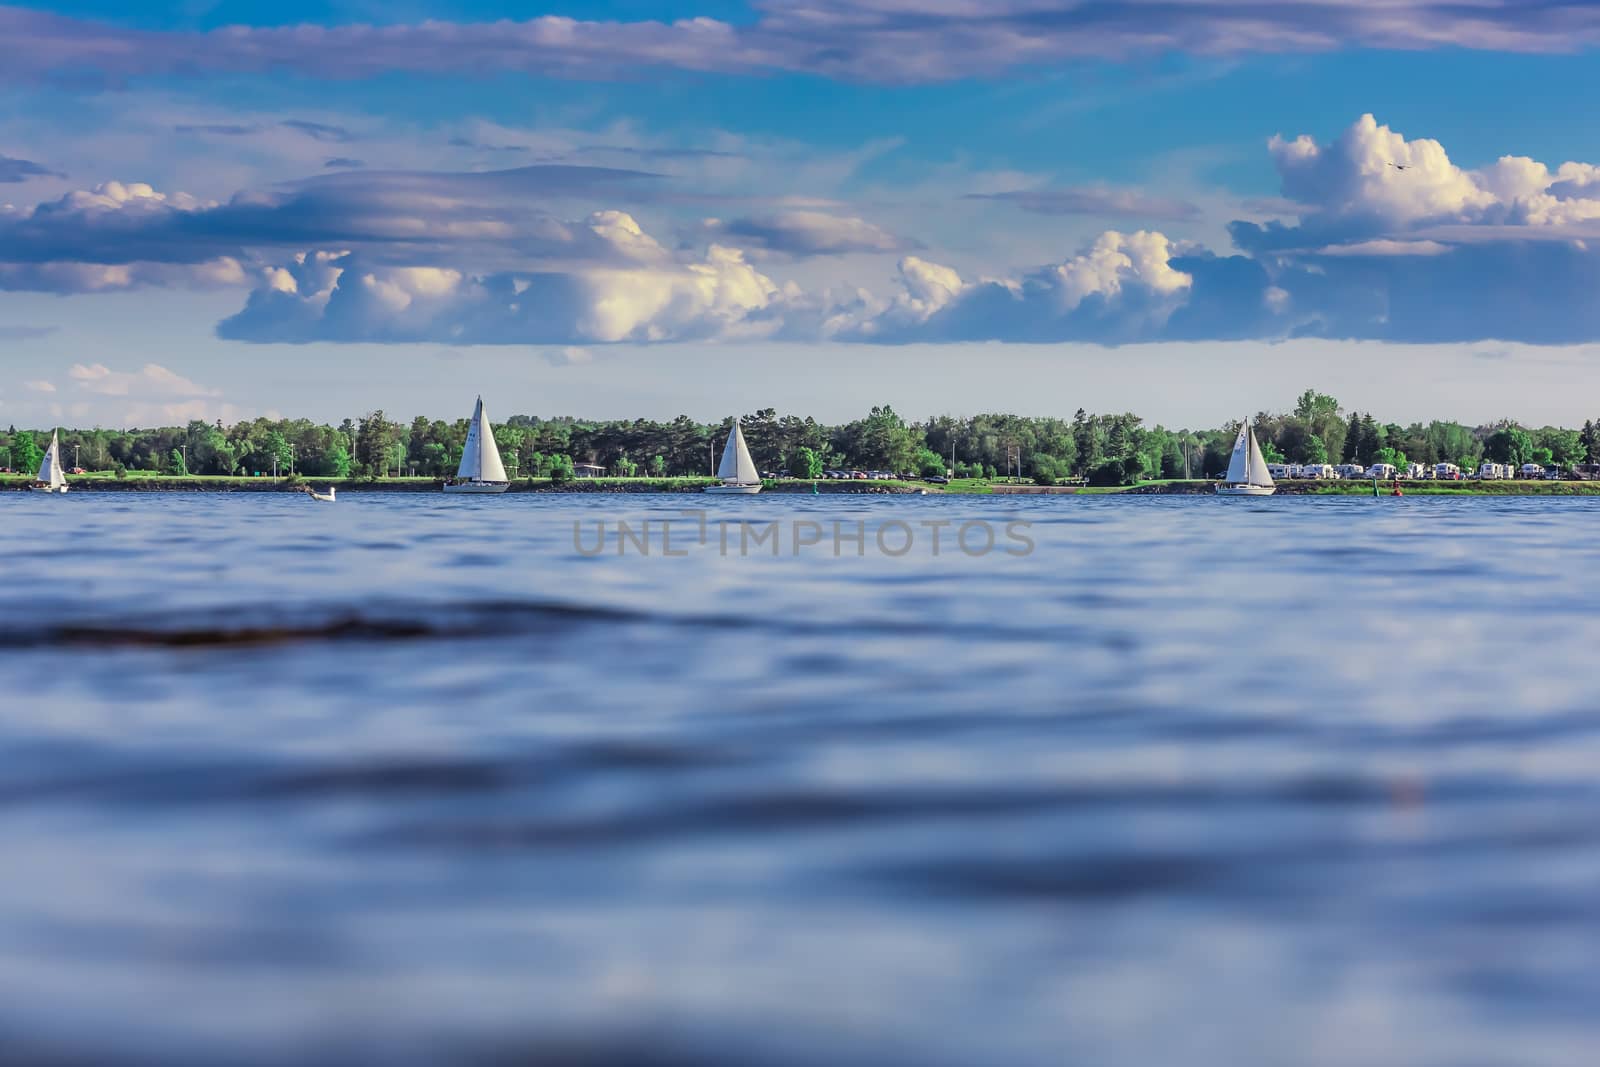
[736, 490]
[49, 488]
[1246, 490]
[478, 488]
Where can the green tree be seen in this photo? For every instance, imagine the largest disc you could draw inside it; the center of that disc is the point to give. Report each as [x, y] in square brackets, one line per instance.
[1566, 446]
[175, 465]
[26, 455]
[336, 460]
[560, 469]
[807, 463]
[1509, 444]
[1352, 440]
[372, 445]
[929, 463]
[1046, 469]
[1086, 440]
[1314, 451]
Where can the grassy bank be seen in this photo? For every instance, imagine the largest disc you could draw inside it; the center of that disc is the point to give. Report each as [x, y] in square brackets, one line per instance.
[160, 483]
[140, 482]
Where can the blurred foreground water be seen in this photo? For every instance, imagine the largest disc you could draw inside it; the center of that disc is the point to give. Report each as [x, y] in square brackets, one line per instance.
[413, 780]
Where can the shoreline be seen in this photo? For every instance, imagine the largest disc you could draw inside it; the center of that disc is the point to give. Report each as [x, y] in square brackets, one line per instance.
[214, 484]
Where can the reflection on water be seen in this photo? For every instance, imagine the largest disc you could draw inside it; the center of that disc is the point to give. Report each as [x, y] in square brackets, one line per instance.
[412, 780]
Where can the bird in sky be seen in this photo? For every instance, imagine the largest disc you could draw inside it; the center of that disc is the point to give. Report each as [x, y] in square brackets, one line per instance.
[1398, 166]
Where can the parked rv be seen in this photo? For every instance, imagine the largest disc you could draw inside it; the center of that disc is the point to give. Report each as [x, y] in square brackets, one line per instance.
[1530, 470]
[1382, 470]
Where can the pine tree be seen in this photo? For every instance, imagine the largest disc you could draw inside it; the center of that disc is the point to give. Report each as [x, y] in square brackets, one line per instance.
[1352, 440]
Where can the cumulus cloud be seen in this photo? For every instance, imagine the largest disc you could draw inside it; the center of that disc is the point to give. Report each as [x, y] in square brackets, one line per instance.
[569, 356]
[1379, 236]
[126, 235]
[39, 385]
[150, 395]
[115, 236]
[1121, 287]
[1127, 203]
[1372, 183]
[896, 41]
[805, 233]
[646, 296]
[152, 379]
[1394, 240]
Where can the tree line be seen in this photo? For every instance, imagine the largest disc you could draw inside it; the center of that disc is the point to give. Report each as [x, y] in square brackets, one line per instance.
[1103, 449]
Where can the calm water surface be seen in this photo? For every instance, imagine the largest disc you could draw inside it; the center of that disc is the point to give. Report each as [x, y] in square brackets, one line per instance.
[410, 780]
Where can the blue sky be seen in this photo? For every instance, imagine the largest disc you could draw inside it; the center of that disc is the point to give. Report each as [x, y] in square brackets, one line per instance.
[641, 208]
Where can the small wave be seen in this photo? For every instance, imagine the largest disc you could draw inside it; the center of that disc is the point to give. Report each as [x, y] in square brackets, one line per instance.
[254, 626]
[248, 626]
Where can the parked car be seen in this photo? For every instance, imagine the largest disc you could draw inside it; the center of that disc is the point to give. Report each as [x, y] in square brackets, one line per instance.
[937, 479]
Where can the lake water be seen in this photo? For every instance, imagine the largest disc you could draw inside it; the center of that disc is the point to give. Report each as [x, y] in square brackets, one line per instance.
[416, 780]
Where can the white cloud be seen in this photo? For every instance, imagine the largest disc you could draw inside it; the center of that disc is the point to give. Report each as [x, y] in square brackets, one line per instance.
[40, 386]
[1382, 247]
[151, 381]
[569, 356]
[334, 296]
[1372, 180]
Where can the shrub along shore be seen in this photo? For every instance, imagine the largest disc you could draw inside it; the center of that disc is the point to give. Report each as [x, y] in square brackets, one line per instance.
[1102, 450]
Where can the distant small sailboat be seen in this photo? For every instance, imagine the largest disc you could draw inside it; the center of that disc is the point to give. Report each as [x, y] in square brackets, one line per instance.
[51, 479]
[481, 470]
[737, 470]
[1247, 469]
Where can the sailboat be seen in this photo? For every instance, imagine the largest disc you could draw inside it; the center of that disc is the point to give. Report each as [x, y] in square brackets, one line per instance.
[737, 470]
[481, 470]
[50, 479]
[1247, 470]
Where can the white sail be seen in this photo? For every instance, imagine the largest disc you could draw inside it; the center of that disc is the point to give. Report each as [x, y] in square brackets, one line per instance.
[1259, 475]
[490, 469]
[1239, 463]
[50, 467]
[737, 467]
[480, 458]
[471, 461]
